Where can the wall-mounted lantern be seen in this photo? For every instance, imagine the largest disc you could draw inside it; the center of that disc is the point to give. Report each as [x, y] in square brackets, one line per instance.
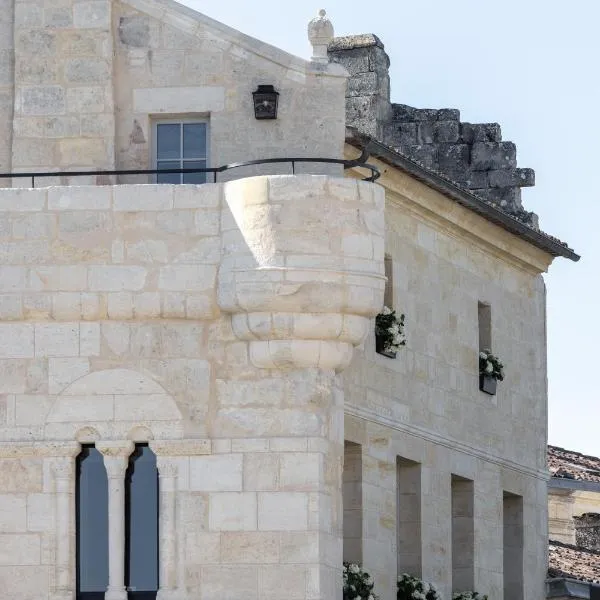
[265, 102]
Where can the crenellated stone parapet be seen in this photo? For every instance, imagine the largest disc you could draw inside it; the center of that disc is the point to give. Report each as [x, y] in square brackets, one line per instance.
[302, 270]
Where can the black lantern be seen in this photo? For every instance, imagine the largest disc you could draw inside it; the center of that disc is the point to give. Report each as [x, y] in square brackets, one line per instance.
[265, 102]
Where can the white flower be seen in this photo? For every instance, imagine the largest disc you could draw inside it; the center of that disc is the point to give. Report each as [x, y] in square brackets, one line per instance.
[489, 367]
[354, 568]
[369, 580]
[483, 355]
[386, 311]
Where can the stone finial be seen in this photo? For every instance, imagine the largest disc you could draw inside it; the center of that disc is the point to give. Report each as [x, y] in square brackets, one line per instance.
[320, 34]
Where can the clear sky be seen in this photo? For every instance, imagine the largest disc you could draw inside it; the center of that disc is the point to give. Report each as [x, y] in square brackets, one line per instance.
[533, 67]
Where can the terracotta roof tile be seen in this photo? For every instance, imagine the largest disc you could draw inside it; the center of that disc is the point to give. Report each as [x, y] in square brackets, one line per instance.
[568, 464]
[572, 562]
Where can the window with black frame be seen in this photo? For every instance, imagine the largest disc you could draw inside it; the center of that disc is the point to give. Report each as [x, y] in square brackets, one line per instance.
[92, 525]
[141, 525]
[181, 145]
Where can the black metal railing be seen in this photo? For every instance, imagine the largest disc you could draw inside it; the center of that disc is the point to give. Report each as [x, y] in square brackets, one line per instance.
[359, 162]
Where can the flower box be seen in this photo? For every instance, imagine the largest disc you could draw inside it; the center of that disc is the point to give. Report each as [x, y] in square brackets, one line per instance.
[488, 384]
[380, 348]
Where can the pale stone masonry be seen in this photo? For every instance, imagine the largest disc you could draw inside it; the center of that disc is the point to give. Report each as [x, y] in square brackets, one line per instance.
[229, 327]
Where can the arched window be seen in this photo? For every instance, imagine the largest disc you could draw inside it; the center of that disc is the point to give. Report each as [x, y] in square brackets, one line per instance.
[141, 525]
[92, 525]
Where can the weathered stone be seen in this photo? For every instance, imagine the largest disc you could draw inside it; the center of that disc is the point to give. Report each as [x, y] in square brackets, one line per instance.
[46, 100]
[134, 31]
[453, 158]
[480, 132]
[446, 131]
[487, 156]
[512, 178]
[426, 155]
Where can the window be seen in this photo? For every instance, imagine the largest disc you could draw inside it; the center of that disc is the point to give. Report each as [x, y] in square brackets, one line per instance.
[353, 505]
[388, 297]
[92, 525]
[512, 511]
[463, 534]
[408, 516]
[484, 314]
[141, 525]
[181, 145]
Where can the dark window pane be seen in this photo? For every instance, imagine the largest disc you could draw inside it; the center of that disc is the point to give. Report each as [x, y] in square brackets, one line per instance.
[194, 140]
[168, 141]
[194, 177]
[92, 524]
[169, 177]
[141, 502]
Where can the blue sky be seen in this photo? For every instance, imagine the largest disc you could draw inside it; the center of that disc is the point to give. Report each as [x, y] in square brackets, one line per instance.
[531, 66]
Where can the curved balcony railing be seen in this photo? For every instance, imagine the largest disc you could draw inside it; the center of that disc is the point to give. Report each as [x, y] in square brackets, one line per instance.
[359, 162]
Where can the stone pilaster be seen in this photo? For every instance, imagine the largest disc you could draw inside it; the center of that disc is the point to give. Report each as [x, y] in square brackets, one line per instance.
[167, 529]
[63, 469]
[116, 458]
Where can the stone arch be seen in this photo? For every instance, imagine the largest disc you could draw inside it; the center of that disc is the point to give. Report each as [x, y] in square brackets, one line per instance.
[114, 403]
[87, 435]
[140, 434]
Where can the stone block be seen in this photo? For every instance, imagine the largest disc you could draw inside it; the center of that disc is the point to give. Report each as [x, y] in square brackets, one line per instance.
[202, 548]
[22, 200]
[83, 152]
[143, 197]
[20, 549]
[222, 473]
[63, 371]
[190, 278]
[253, 547]
[19, 476]
[13, 508]
[446, 132]
[487, 156]
[92, 15]
[273, 579]
[301, 472]
[261, 472]
[502, 178]
[43, 100]
[229, 583]
[57, 339]
[116, 278]
[33, 580]
[89, 198]
[480, 132]
[16, 341]
[134, 31]
[453, 157]
[282, 511]
[232, 511]
[87, 70]
[40, 512]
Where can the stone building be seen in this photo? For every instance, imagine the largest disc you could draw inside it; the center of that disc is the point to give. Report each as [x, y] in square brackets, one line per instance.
[192, 405]
[573, 524]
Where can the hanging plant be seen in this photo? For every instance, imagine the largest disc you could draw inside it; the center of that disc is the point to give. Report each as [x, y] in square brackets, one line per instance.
[469, 596]
[389, 332]
[413, 588]
[491, 370]
[358, 584]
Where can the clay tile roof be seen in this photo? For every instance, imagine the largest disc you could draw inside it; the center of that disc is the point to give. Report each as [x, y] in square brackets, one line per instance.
[572, 562]
[567, 464]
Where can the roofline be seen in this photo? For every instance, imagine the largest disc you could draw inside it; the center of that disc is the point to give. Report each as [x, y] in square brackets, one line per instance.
[566, 483]
[451, 190]
[559, 587]
[189, 20]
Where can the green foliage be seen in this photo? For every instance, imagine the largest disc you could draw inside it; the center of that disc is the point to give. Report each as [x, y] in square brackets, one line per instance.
[413, 588]
[490, 365]
[358, 584]
[389, 329]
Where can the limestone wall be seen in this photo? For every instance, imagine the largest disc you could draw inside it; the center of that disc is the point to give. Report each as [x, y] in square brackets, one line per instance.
[91, 78]
[425, 406]
[115, 328]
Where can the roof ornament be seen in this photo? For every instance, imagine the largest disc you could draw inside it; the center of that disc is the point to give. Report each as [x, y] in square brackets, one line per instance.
[320, 34]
